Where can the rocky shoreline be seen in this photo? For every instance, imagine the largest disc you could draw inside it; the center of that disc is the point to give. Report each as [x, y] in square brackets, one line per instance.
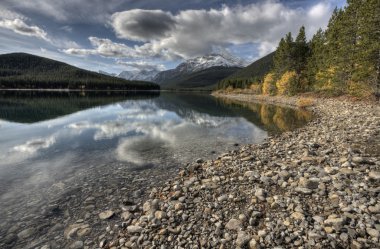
[317, 186]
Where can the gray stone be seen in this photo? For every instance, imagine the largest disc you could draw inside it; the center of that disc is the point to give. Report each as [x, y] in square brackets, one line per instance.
[374, 175]
[242, 239]
[297, 216]
[234, 224]
[373, 232]
[134, 229]
[253, 244]
[126, 215]
[260, 193]
[222, 198]
[77, 245]
[357, 159]
[106, 214]
[25, 233]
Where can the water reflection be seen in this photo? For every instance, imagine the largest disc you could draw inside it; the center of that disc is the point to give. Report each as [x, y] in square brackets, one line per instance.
[35, 106]
[59, 148]
[141, 129]
[274, 119]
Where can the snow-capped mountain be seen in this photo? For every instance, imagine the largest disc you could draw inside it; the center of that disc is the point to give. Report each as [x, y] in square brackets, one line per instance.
[144, 75]
[210, 60]
[198, 64]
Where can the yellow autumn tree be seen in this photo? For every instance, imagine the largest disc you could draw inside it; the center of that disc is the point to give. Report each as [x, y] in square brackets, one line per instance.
[269, 87]
[255, 88]
[287, 84]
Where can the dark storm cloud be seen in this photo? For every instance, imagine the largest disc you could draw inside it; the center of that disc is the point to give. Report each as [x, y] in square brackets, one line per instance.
[142, 25]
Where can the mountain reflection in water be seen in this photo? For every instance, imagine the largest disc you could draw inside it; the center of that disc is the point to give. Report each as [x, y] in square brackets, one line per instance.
[58, 148]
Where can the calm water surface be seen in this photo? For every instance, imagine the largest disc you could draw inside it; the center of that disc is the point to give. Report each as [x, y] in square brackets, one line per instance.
[59, 148]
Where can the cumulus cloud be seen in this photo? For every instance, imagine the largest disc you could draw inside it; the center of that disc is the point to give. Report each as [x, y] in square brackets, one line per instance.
[6, 13]
[105, 48]
[68, 11]
[142, 65]
[194, 32]
[20, 27]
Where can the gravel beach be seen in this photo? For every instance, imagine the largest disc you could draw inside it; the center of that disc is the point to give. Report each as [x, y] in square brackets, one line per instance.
[317, 186]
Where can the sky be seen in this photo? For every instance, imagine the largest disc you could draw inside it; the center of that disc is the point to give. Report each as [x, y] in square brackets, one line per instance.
[118, 35]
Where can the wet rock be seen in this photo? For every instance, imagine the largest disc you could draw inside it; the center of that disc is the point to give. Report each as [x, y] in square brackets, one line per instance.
[77, 245]
[10, 238]
[24, 234]
[106, 215]
[72, 230]
[83, 232]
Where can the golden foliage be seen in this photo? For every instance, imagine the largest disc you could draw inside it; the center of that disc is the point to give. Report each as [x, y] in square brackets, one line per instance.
[269, 87]
[286, 85]
[359, 89]
[255, 88]
[325, 79]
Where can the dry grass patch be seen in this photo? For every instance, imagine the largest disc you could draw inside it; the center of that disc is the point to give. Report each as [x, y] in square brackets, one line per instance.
[305, 102]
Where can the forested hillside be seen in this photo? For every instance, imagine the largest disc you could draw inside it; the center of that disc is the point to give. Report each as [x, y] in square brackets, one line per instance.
[20, 70]
[343, 59]
[253, 73]
[206, 79]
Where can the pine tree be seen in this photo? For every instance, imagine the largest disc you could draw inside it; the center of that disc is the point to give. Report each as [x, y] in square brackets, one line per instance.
[283, 59]
[367, 58]
[316, 60]
[300, 51]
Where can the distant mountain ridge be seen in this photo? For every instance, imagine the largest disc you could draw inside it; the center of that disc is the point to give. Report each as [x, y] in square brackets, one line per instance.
[253, 73]
[22, 70]
[188, 72]
[107, 73]
[144, 75]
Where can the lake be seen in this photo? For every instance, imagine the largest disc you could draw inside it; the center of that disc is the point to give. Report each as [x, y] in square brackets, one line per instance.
[67, 156]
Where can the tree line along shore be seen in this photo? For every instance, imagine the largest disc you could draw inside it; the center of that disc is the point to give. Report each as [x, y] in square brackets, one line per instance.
[343, 59]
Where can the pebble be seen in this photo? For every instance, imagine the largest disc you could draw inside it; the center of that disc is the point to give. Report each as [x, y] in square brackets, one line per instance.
[242, 239]
[77, 245]
[134, 229]
[106, 214]
[234, 224]
[25, 233]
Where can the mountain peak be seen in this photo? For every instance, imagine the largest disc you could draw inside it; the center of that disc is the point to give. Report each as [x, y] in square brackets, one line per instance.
[144, 75]
[210, 60]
